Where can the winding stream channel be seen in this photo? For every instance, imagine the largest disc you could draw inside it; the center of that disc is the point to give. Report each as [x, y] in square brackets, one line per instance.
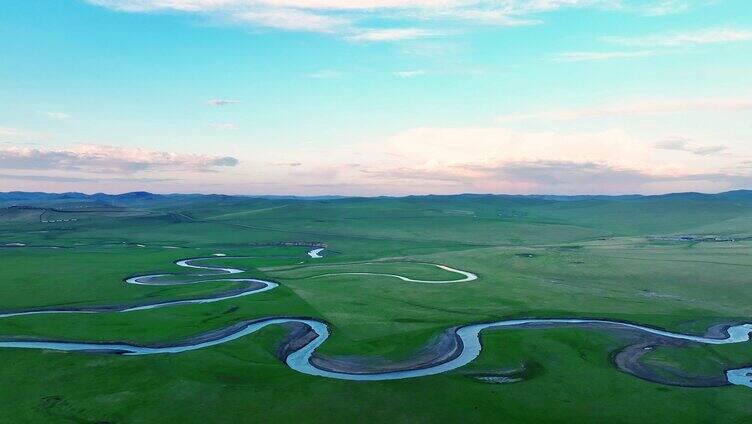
[457, 347]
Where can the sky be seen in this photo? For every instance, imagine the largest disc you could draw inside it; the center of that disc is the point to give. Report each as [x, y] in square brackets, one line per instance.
[376, 97]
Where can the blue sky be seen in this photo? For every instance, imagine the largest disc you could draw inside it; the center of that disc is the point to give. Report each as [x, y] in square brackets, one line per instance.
[374, 97]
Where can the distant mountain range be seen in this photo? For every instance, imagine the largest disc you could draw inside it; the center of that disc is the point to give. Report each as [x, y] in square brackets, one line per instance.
[24, 197]
[142, 197]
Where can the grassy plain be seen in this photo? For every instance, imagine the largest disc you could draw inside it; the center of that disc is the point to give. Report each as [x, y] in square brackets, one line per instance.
[597, 258]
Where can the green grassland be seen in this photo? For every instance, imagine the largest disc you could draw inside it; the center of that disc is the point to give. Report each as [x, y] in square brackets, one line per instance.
[608, 258]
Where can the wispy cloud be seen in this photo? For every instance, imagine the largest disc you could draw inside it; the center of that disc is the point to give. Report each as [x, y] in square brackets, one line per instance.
[658, 44]
[409, 74]
[394, 34]
[506, 17]
[16, 135]
[65, 179]
[683, 144]
[599, 56]
[644, 107]
[666, 7]
[686, 38]
[343, 17]
[292, 20]
[57, 115]
[8, 133]
[222, 102]
[107, 159]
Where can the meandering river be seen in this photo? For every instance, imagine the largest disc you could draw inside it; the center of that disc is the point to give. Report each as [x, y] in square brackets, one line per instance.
[467, 345]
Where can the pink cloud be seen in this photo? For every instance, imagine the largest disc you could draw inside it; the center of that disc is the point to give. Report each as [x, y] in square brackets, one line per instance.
[107, 159]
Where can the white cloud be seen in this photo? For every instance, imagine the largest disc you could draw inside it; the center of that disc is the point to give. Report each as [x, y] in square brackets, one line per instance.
[686, 38]
[599, 56]
[666, 7]
[409, 74]
[222, 102]
[439, 147]
[57, 115]
[292, 20]
[394, 34]
[506, 17]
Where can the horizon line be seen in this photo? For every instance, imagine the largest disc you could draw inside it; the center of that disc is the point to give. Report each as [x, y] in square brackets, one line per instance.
[371, 197]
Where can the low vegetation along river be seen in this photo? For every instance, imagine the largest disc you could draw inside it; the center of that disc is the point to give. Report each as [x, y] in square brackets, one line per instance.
[456, 347]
